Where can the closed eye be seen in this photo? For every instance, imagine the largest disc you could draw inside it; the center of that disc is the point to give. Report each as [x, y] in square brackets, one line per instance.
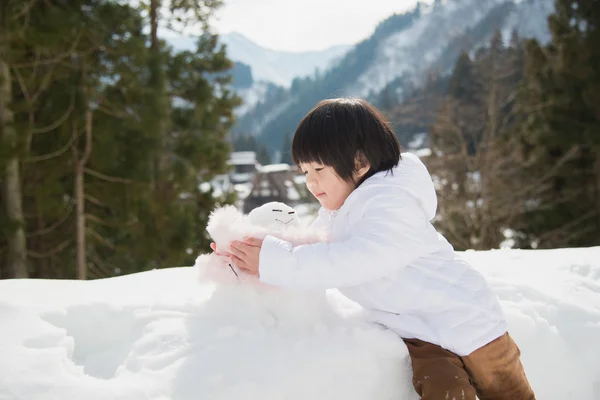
[291, 212]
[276, 210]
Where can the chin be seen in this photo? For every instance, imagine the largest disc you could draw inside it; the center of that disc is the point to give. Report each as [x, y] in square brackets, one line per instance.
[329, 207]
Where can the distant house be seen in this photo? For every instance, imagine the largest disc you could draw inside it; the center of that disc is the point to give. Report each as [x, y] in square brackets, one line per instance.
[276, 182]
[256, 184]
[243, 166]
[242, 169]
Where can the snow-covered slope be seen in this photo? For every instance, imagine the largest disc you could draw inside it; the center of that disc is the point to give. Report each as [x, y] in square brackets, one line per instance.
[164, 335]
[251, 96]
[278, 67]
[413, 50]
[402, 51]
[420, 45]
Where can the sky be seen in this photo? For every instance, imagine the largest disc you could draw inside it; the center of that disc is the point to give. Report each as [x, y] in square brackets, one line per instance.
[302, 25]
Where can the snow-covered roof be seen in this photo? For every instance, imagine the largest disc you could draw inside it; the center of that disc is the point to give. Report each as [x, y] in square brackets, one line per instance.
[242, 157]
[275, 168]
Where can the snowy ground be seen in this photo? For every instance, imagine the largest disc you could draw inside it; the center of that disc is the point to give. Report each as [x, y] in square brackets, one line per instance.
[163, 335]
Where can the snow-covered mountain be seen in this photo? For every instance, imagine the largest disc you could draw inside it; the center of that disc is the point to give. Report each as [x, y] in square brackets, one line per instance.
[272, 66]
[422, 45]
[400, 53]
[279, 67]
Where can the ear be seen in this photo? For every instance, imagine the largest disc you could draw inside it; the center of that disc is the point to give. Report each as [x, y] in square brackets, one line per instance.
[361, 166]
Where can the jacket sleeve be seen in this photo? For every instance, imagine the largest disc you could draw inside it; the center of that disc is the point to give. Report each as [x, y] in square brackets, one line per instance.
[391, 234]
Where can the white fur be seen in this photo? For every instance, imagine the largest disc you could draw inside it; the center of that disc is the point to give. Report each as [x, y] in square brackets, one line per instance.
[227, 223]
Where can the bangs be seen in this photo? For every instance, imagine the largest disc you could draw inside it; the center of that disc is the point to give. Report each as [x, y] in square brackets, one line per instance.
[323, 138]
[310, 144]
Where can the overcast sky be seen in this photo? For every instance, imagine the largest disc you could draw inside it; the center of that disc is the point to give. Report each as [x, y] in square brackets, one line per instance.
[299, 25]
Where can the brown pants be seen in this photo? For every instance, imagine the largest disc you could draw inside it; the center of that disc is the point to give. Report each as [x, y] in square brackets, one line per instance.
[493, 372]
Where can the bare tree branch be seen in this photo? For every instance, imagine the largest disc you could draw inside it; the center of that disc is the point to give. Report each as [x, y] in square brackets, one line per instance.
[106, 177]
[25, 11]
[100, 221]
[51, 252]
[55, 59]
[55, 225]
[100, 239]
[22, 85]
[59, 121]
[54, 154]
[95, 201]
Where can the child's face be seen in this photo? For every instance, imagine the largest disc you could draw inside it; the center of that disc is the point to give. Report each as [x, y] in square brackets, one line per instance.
[326, 185]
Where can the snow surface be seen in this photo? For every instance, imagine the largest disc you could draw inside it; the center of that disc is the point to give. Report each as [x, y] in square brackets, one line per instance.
[164, 335]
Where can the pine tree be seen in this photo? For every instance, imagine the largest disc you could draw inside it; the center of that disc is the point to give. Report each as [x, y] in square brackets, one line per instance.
[31, 48]
[11, 180]
[92, 200]
[560, 108]
[75, 178]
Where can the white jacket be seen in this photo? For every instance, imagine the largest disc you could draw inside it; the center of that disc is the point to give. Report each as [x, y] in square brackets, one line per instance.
[385, 254]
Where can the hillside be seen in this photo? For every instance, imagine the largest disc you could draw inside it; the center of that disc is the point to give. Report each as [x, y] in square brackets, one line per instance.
[403, 50]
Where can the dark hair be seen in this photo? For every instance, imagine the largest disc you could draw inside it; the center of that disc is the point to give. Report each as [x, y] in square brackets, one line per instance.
[338, 131]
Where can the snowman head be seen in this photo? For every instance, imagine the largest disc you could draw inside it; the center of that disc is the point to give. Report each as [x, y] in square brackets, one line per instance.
[274, 215]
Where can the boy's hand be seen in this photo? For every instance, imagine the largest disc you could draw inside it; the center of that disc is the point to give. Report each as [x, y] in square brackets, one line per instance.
[213, 246]
[245, 255]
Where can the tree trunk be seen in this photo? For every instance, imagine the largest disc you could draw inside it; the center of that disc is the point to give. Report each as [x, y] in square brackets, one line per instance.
[597, 174]
[158, 104]
[80, 162]
[80, 218]
[154, 7]
[17, 250]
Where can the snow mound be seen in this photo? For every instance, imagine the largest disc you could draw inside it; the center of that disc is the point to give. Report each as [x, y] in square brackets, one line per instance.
[163, 335]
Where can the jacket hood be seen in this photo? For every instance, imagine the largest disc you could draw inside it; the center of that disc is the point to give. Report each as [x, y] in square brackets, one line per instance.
[412, 176]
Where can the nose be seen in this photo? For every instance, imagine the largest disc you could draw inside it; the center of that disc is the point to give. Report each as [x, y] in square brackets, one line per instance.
[311, 182]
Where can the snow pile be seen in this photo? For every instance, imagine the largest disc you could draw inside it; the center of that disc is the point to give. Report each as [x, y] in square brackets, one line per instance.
[164, 335]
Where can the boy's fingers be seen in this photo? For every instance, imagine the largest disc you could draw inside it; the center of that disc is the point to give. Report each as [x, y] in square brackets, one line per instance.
[241, 246]
[239, 262]
[236, 250]
[253, 241]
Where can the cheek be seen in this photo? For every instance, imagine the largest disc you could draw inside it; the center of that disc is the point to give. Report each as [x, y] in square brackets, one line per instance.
[311, 186]
[344, 190]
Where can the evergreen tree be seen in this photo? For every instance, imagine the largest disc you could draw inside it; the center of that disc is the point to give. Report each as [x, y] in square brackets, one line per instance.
[83, 144]
[13, 221]
[34, 42]
[560, 124]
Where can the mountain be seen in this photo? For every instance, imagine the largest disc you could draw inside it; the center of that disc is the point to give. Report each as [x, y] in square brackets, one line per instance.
[403, 50]
[279, 67]
[272, 66]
